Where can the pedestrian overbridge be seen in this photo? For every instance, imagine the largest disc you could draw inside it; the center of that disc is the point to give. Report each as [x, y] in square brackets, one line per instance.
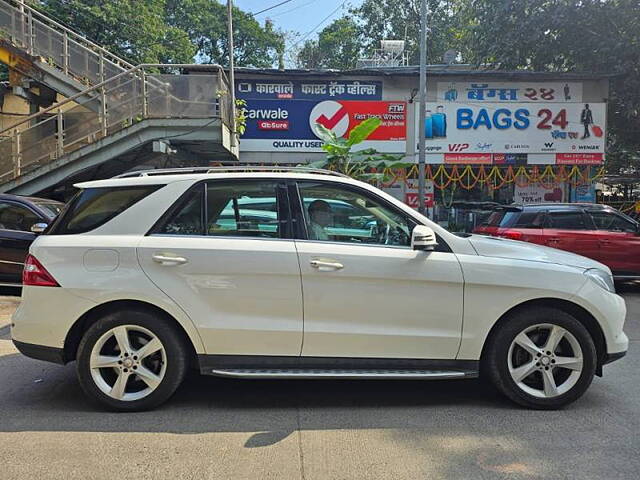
[113, 110]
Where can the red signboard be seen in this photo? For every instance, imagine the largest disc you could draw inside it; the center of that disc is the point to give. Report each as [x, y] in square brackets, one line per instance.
[273, 124]
[342, 116]
[579, 158]
[468, 158]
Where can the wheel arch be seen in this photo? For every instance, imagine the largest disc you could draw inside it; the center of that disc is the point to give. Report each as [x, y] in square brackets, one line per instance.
[573, 309]
[77, 330]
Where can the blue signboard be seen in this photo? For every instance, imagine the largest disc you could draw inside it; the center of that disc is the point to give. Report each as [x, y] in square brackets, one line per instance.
[584, 193]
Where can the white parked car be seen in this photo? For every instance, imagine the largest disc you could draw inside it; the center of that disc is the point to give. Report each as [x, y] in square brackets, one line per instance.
[302, 274]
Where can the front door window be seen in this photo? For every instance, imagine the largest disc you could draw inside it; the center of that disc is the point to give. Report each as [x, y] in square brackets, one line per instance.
[341, 215]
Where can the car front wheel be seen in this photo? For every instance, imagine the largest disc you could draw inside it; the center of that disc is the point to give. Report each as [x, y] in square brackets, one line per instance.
[541, 358]
[131, 360]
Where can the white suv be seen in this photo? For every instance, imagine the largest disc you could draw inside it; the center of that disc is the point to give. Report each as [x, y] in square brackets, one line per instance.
[302, 274]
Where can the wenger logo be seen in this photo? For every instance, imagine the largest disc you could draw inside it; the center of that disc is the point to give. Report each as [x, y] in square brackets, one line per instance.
[458, 147]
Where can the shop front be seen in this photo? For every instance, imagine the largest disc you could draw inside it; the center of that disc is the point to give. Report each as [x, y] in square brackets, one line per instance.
[495, 138]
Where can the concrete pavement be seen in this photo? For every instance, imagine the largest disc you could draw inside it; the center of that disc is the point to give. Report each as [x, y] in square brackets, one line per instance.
[224, 429]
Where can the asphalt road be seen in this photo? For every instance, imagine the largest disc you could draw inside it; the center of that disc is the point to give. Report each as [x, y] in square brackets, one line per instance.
[229, 429]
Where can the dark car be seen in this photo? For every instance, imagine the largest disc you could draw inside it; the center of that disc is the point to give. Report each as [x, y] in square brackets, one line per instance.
[599, 232]
[21, 219]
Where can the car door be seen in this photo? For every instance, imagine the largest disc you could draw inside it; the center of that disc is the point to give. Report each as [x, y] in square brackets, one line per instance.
[573, 231]
[619, 242]
[367, 294]
[15, 238]
[235, 273]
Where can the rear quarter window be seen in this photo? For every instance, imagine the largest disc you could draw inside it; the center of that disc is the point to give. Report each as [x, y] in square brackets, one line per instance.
[93, 207]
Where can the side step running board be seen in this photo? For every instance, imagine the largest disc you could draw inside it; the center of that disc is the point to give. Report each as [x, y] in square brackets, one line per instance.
[377, 374]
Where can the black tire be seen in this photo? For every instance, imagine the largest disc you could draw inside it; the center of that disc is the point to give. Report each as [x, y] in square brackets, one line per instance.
[495, 361]
[176, 359]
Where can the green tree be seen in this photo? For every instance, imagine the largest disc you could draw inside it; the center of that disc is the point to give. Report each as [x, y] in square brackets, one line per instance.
[133, 29]
[338, 46]
[593, 36]
[169, 31]
[400, 20]
[205, 22]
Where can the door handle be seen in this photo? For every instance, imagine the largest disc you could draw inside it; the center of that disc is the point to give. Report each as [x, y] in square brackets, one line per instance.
[326, 265]
[553, 240]
[168, 259]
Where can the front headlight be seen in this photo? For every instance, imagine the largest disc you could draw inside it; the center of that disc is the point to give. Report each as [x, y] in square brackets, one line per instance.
[602, 278]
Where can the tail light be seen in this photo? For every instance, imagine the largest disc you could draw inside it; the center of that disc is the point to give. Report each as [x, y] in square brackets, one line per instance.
[511, 234]
[36, 275]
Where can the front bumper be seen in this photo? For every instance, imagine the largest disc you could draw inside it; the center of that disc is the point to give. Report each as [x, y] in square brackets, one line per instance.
[41, 352]
[612, 357]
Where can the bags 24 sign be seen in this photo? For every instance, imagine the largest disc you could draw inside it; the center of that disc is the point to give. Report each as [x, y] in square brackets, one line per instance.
[514, 128]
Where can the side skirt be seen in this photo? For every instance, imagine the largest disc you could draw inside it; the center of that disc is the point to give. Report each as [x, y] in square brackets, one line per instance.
[335, 368]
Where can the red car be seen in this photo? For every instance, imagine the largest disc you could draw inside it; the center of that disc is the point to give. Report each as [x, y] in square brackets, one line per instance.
[595, 231]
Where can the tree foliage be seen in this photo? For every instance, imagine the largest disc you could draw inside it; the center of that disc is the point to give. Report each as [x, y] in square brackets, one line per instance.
[338, 46]
[400, 20]
[169, 31]
[205, 22]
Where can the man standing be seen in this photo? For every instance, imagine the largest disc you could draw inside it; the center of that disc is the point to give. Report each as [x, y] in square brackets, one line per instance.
[586, 119]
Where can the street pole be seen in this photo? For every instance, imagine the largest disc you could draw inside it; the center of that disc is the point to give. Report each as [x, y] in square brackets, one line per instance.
[232, 81]
[422, 113]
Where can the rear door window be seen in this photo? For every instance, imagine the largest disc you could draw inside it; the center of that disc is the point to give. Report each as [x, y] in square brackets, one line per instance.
[93, 207]
[533, 219]
[243, 209]
[233, 209]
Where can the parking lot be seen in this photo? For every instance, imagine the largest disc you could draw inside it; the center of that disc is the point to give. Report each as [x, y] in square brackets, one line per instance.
[221, 429]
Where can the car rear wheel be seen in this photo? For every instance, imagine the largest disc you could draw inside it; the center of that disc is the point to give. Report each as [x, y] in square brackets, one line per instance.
[541, 358]
[131, 360]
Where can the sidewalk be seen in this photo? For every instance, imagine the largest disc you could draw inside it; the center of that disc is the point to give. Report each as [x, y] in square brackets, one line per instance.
[7, 307]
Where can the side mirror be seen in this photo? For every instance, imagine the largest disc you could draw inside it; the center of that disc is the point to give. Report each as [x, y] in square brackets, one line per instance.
[38, 227]
[423, 238]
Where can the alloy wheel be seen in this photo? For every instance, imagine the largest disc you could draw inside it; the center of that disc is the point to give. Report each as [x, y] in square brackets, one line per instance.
[545, 360]
[128, 362]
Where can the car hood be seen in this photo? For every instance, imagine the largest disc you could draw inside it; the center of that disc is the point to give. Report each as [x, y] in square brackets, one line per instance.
[513, 249]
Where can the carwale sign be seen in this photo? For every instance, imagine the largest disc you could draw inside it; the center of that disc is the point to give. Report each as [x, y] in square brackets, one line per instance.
[288, 125]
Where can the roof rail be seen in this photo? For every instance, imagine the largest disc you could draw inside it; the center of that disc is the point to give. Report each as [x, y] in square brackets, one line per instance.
[235, 168]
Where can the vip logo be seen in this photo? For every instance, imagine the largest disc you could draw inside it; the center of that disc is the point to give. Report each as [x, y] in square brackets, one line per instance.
[458, 147]
[396, 108]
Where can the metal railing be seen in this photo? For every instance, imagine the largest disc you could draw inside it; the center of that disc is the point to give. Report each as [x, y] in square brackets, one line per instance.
[124, 100]
[60, 46]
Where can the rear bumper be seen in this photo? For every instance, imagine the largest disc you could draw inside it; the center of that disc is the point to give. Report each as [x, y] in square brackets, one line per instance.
[41, 352]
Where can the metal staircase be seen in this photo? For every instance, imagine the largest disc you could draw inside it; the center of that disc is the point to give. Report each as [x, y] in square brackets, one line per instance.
[114, 111]
[51, 53]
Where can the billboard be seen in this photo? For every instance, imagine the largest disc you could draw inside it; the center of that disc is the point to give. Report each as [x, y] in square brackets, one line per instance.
[516, 128]
[281, 116]
[541, 92]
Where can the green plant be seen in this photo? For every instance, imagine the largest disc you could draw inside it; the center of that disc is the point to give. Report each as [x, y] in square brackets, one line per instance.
[367, 164]
[241, 116]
